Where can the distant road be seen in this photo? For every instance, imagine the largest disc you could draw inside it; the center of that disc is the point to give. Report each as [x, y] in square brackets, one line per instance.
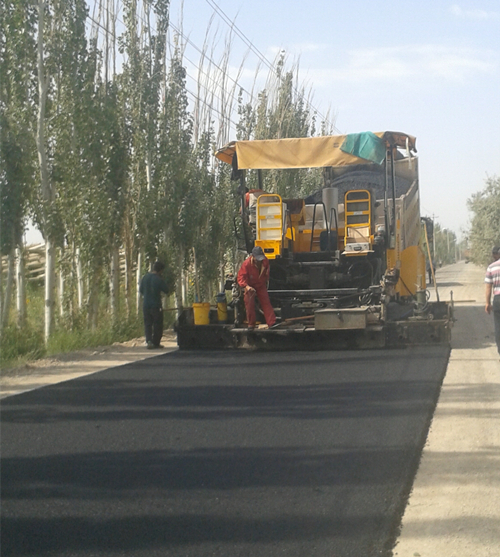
[462, 281]
[220, 453]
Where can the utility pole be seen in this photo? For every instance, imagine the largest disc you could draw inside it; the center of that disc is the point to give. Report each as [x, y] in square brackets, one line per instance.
[433, 237]
[447, 243]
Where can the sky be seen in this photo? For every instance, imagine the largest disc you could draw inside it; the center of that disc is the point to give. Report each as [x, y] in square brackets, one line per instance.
[429, 68]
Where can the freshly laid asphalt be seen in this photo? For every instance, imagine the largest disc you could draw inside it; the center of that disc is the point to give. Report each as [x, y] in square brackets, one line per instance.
[219, 453]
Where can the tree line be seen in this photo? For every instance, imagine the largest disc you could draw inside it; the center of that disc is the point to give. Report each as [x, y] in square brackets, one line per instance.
[106, 150]
[484, 232]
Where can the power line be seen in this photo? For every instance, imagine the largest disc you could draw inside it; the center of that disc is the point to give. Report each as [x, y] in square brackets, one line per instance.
[187, 40]
[249, 43]
[240, 34]
[179, 32]
[193, 95]
[257, 52]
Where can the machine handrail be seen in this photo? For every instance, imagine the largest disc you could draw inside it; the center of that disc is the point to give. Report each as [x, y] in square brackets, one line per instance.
[314, 219]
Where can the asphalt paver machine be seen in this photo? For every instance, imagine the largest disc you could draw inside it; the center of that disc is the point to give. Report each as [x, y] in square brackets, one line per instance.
[347, 264]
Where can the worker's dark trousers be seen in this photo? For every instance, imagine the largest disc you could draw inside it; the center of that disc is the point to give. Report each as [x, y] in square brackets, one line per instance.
[496, 317]
[153, 325]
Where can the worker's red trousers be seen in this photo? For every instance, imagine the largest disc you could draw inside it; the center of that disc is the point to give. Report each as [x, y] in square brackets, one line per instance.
[265, 304]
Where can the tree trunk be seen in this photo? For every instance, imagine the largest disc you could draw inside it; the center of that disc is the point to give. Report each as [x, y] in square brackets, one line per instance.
[138, 276]
[50, 275]
[79, 278]
[196, 281]
[210, 290]
[7, 300]
[178, 296]
[21, 288]
[43, 86]
[60, 283]
[93, 301]
[222, 275]
[179, 284]
[1, 293]
[128, 272]
[182, 280]
[128, 281]
[47, 192]
[114, 283]
[127, 284]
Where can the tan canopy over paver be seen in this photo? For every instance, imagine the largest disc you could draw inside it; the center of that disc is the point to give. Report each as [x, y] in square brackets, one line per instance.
[306, 152]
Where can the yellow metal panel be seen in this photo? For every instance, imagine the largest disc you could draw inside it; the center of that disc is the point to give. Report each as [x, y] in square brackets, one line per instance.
[302, 241]
[269, 217]
[360, 226]
[412, 277]
[272, 248]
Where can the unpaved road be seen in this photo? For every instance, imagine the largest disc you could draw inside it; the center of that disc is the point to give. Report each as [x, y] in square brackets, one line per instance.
[454, 510]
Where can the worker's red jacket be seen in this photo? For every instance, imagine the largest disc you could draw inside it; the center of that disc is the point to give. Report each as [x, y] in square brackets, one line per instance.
[249, 275]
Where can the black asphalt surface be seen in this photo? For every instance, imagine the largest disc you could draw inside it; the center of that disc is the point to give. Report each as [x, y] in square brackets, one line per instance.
[219, 453]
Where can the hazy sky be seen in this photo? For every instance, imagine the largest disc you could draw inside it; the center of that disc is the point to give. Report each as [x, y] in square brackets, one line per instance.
[428, 68]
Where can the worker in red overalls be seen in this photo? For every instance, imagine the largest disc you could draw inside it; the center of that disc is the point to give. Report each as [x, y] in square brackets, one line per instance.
[252, 279]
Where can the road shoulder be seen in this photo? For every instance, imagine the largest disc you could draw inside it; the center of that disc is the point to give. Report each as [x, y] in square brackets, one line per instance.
[454, 506]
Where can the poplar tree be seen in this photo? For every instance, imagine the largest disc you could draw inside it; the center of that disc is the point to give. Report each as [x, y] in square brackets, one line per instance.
[176, 171]
[75, 156]
[47, 193]
[141, 83]
[17, 147]
[485, 229]
[280, 111]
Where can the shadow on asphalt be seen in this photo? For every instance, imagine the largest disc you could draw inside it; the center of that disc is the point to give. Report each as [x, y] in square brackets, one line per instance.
[117, 395]
[114, 474]
[150, 532]
[475, 337]
[133, 400]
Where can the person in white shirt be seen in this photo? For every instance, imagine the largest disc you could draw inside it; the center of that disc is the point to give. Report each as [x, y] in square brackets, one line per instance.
[492, 281]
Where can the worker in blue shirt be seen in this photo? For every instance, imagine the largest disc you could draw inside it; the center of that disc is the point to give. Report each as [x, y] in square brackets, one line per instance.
[151, 287]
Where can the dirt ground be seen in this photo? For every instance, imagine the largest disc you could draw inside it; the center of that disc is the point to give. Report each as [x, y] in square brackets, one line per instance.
[64, 367]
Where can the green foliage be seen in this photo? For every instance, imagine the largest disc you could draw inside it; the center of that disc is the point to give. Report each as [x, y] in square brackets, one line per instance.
[444, 244]
[14, 183]
[63, 340]
[280, 112]
[26, 344]
[125, 168]
[21, 344]
[177, 172]
[485, 228]
[17, 86]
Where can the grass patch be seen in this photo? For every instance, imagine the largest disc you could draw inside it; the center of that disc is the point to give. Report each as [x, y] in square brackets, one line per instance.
[62, 340]
[21, 345]
[27, 344]
[71, 333]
